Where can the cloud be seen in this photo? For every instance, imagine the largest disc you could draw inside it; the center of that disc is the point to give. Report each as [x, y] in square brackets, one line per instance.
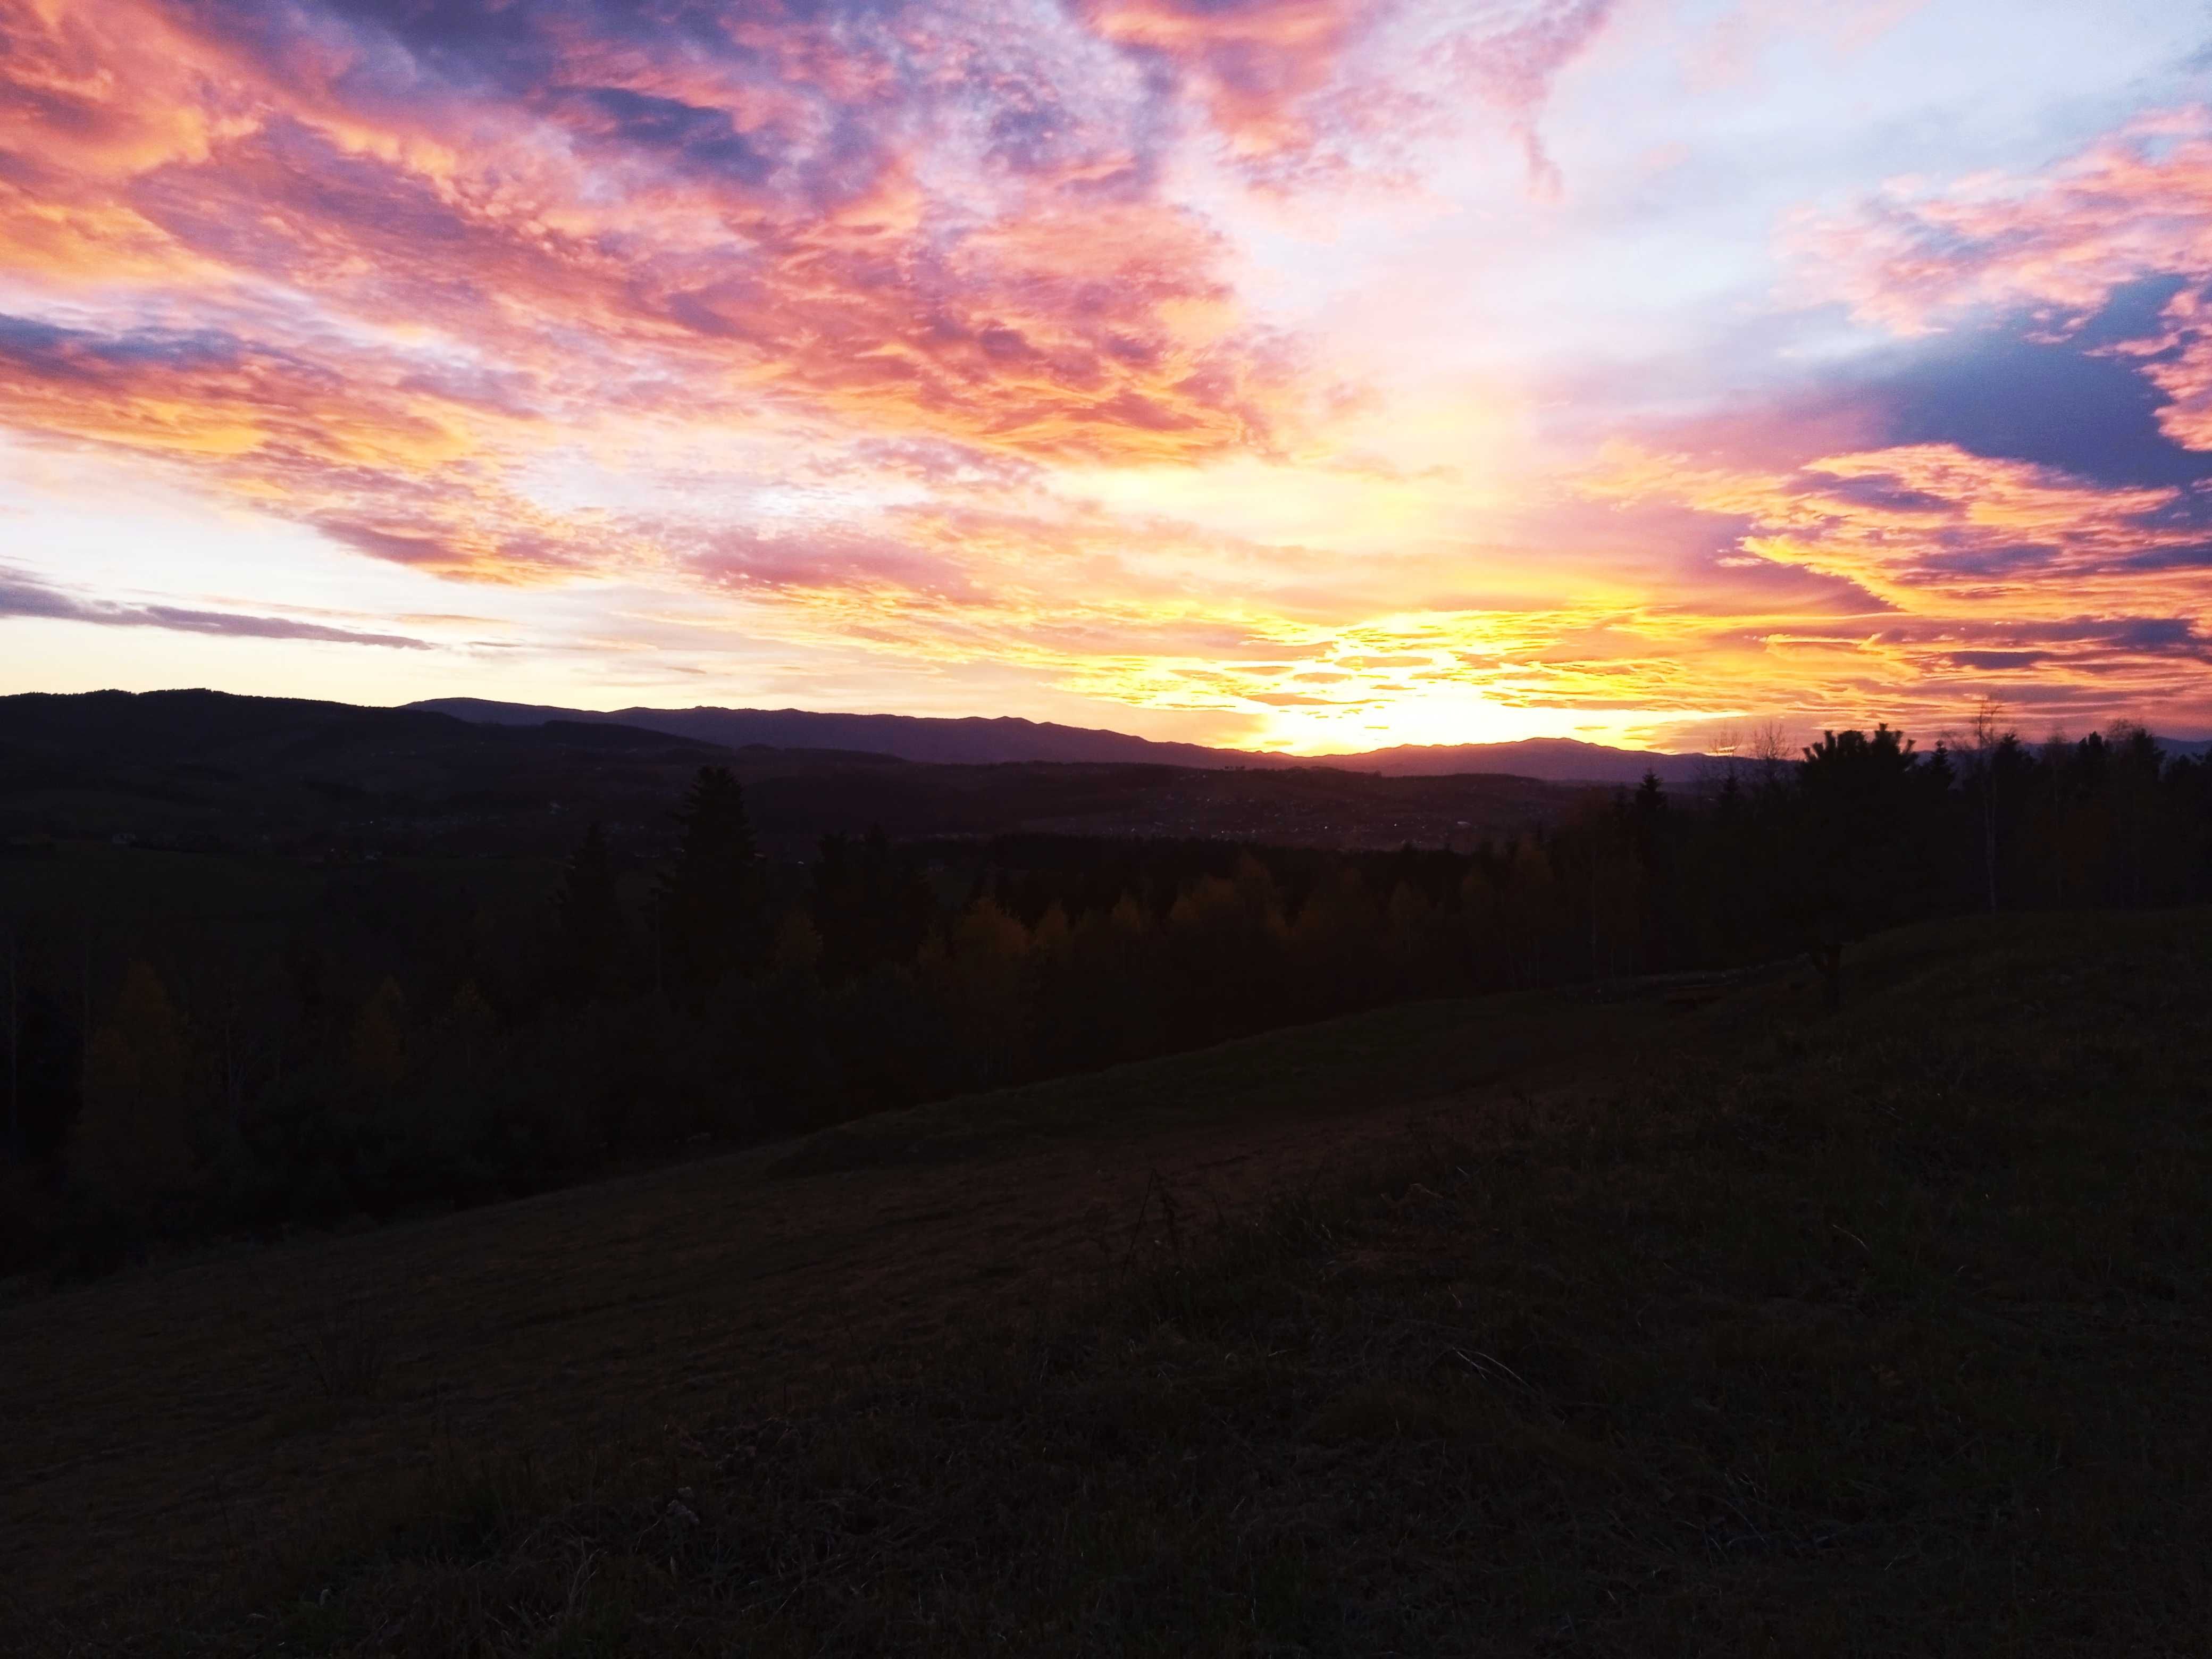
[907, 213]
[2051, 249]
[24, 596]
[362, 267]
[365, 266]
[827, 325]
[1256, 66]
[2178, 361]
[1299, 86]
[384, 451]
[1995, 577]
[2073, 404]
[1917, 521]
[1514, 60]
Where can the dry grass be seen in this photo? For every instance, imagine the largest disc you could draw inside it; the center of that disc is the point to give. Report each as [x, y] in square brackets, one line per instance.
[1743, 1330]
[342, 1335]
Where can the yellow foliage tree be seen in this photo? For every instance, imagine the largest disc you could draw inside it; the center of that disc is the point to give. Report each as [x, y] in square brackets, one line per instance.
[798, 943]
[379, 1035]
[1054, 935]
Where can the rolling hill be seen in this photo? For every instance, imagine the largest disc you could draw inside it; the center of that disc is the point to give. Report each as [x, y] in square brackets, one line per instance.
[973, 741]
[1686, 1323]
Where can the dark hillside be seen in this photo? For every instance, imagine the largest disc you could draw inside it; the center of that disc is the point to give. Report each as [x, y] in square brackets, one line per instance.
[208, 770]
[969, 740]
[204, 769]
[1702, 1321]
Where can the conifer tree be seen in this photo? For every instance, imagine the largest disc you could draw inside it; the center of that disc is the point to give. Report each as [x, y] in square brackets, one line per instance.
[591, 915]
[710, 900]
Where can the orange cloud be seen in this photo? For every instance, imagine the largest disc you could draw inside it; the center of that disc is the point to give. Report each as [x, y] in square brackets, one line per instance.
[358, 268]
[781, 239]
[1991, 576]
[1932, 521]
[1255, 64]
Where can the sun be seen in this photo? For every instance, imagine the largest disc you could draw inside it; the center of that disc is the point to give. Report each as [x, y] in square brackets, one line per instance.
[1441, 716]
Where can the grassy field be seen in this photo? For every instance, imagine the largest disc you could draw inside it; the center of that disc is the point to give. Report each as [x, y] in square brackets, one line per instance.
[1657, 1325]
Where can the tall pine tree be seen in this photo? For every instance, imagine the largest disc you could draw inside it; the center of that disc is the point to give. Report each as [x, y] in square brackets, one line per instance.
[591, 932]
[710, 899]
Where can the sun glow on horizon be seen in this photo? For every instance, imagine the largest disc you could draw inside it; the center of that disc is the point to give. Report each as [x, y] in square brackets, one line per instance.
[1442, 718]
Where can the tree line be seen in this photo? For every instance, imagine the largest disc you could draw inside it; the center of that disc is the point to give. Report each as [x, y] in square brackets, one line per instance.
[424, 1036]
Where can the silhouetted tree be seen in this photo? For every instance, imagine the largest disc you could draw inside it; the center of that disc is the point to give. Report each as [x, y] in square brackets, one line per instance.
[710, 899]
[591, 932]
[1869, 806]
[1651, 829]
[872, 905]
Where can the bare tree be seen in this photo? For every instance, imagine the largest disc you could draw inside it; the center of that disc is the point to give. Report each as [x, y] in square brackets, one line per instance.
[1769, 744]
[1723, 762]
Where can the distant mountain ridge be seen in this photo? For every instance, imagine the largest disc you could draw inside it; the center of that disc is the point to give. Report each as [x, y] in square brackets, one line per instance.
[974, 740]
[978, 740]
[203, 771]
[1555, 760]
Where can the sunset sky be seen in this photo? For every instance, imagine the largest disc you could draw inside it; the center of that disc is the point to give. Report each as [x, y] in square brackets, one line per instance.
[1306, 374]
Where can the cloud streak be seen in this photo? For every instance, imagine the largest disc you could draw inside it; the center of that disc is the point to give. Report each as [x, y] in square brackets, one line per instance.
[24, 596]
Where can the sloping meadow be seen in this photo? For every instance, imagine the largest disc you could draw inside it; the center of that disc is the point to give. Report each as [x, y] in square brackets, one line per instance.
[1879, 1332]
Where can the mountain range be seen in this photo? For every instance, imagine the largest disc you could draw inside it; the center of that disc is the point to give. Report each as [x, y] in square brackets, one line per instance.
[204, 771]
[976, 740]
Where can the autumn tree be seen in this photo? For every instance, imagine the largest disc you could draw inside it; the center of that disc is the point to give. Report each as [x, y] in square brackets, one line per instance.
[382, 1040]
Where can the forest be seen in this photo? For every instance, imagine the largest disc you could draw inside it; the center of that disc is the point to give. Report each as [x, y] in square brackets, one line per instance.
[396, 1036]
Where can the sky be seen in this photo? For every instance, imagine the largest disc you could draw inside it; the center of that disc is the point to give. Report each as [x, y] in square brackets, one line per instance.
[1309, 375]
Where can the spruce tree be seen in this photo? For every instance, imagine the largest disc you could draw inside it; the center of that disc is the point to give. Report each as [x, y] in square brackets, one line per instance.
[710, 899]
[590, 916]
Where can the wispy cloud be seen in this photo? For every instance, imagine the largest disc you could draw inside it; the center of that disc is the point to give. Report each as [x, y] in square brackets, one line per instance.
[22, 596]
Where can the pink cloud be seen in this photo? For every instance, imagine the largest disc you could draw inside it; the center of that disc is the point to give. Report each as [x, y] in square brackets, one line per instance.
[1300, 85]
[1932, 521]
[415, 242]
[1514, 63]
[1993, 577]
[2053, 248]
[938, 230]
[2178, 361]
[1255, 64]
